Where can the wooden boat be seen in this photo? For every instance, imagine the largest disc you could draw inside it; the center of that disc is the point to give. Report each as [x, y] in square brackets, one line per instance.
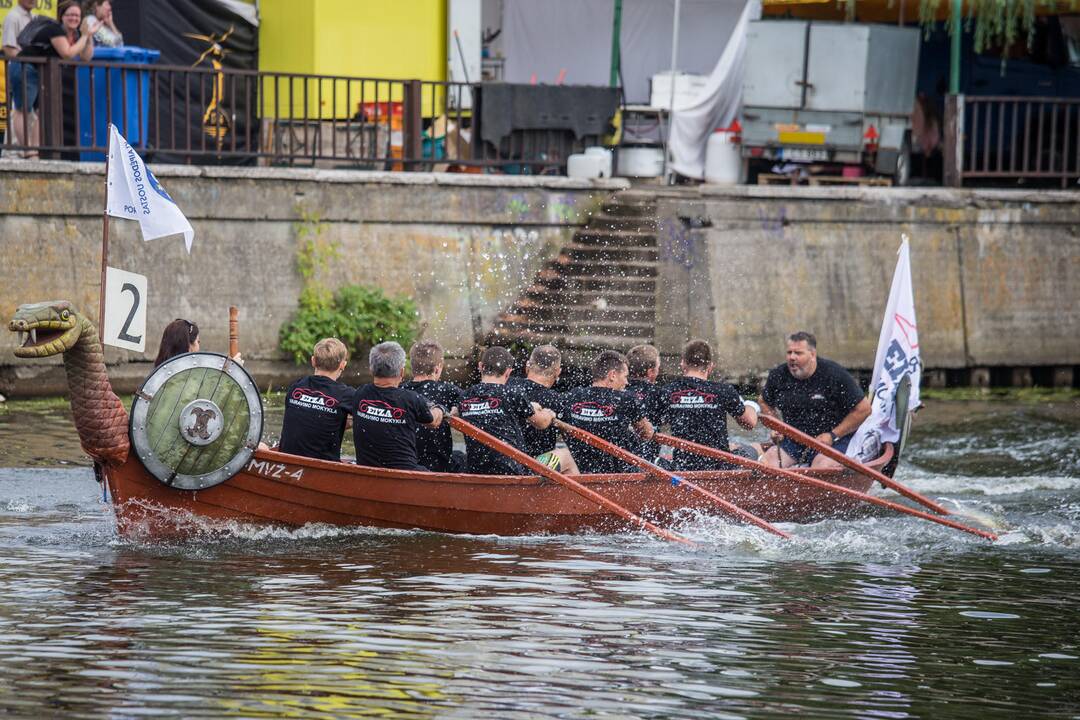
[267, 487]
[286, 490]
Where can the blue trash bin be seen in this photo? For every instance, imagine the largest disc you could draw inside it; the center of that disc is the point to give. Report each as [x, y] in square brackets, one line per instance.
[128, 93]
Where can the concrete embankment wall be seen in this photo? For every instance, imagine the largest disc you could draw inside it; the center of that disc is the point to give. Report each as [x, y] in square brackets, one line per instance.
[996, 273]
[461, 246]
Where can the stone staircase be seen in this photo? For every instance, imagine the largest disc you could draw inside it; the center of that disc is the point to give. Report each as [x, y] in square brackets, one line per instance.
[599, 293]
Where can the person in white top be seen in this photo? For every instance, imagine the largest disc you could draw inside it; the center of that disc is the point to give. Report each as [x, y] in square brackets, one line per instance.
[107, 35]
[23, 124]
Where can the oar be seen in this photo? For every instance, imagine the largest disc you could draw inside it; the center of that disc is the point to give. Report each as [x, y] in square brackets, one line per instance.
[764, 469]
[803, 439]
[539, 468]
[627, 456]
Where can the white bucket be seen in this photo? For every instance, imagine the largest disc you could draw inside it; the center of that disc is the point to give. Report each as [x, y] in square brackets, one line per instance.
[595, 162]
[646, 161]
[723, 163]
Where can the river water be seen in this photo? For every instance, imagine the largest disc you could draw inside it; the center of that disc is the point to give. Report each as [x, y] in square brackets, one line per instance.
[881, 617]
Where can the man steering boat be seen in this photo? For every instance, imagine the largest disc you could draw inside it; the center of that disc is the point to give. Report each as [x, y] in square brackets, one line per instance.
[814, 395]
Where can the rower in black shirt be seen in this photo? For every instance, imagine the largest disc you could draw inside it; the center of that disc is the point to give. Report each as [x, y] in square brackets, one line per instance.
[643, 363]
[605, 410]
[387, 416]
[697, 410]
[491, 406]
[317, 406]
[434, 446]
[816, 396]
[541, 373]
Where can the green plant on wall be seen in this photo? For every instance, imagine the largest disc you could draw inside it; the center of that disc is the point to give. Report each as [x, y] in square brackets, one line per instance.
[359, 316]
[993, 22]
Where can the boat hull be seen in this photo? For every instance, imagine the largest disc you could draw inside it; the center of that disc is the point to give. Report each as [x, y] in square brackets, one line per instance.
[286, 490]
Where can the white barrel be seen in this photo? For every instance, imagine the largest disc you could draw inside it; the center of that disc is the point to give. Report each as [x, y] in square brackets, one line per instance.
[646, 161]
[723, 163]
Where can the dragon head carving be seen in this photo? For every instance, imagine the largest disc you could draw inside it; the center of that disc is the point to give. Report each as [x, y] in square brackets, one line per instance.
[56, 328]
[46, 328]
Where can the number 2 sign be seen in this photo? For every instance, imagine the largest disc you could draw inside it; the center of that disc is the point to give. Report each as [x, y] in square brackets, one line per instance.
[125, 310]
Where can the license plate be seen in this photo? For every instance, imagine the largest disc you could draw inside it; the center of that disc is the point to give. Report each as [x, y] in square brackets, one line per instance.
[803, 154]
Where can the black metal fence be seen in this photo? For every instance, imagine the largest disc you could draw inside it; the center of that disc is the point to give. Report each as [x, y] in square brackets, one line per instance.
[211, 115]
[1005, 138]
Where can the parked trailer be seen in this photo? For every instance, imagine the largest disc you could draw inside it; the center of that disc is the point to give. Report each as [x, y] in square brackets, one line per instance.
[819, 92]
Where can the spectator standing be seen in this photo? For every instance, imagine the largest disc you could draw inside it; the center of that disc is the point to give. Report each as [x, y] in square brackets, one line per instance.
[23, 120]
[100, 11]
[70, 39]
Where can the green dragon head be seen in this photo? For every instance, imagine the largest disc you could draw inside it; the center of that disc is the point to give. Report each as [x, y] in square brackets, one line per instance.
[46, 328]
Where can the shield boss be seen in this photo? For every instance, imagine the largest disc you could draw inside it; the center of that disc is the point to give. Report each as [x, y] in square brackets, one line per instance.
[196, 421]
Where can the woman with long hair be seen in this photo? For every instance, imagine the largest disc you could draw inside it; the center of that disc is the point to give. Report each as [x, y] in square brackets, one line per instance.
[180, 336]
[100, 11]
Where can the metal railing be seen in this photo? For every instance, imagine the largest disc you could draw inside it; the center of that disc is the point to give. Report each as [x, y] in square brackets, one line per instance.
[215, 116]
[1003, 138]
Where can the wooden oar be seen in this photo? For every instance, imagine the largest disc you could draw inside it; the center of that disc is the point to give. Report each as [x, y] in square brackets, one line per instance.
[627, 456]
[803, 439]
[234, 330]
[539, 468]
[764, 469]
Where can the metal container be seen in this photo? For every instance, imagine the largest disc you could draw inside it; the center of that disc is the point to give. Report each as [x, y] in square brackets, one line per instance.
[813, 90]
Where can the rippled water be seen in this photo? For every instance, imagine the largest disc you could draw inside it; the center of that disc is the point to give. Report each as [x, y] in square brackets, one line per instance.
[881, 617]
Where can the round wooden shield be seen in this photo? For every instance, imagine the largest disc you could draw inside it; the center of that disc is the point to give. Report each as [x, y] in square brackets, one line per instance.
[196, 421]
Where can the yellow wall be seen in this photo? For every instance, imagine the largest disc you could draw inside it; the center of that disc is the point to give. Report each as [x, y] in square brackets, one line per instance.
[403, 39]
[286, 36]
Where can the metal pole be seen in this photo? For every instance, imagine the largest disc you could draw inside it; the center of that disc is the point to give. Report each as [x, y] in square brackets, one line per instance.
[955, 20]
[671, 97]
[616, 48]
[104, 244]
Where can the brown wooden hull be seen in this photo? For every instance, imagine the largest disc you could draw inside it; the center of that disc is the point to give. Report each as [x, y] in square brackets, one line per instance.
[286, 490]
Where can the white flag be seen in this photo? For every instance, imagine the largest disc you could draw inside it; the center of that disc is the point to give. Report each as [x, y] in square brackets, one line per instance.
[135, 194]
[897, 356]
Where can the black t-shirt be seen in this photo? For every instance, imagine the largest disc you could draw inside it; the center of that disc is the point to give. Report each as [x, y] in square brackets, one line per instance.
[537, 442]
[498, 410]
[817, 404]
[316, 409]
[697, 410]
[41, 44]
[609, 414]
[648, 394]
[385, 424]
[435, 446]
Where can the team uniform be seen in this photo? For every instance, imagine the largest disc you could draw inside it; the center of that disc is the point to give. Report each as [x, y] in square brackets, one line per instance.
[608, 414]
[316, 410]
[435, 446]
[697, 410]
[537, 442]
[815, 405]
[498, 411]
[385, 424]
[650, 396]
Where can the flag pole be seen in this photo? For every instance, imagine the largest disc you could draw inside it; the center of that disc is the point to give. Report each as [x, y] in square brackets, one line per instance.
[104, 242]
